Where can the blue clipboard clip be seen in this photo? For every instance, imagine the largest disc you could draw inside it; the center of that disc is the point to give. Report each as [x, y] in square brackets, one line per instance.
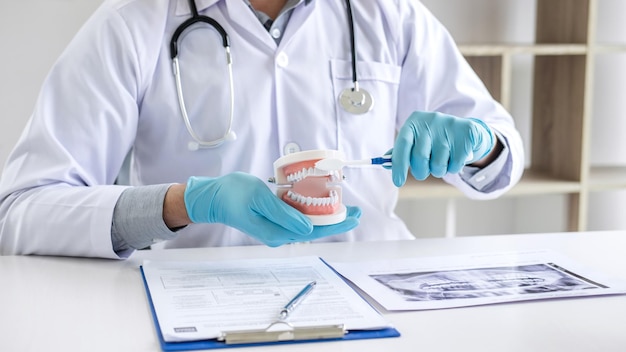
[270, 334]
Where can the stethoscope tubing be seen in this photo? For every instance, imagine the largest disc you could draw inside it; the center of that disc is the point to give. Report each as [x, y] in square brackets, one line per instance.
[352, 43]
[196, 18]
[353, 100]
[188, 23]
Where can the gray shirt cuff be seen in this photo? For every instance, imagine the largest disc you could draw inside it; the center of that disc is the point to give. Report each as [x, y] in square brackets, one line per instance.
[494, 176]
[138, 219]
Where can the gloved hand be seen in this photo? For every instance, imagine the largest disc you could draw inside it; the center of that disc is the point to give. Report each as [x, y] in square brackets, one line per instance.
[244, 202]
[437, 144]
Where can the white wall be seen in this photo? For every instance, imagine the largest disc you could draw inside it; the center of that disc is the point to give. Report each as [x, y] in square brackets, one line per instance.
[32, 35]
[31, 46]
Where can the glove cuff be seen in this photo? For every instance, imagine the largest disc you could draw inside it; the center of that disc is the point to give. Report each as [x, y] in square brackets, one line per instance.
[198, 189]
[492, 138]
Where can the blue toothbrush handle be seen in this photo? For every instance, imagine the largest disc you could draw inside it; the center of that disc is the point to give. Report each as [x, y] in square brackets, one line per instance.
[384, 160]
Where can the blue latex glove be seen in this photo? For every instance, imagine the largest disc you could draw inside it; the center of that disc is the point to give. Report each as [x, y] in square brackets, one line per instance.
[244, 202]
[433, 143]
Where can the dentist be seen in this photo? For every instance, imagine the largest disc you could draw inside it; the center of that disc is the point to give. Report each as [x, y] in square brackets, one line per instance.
[161, 119]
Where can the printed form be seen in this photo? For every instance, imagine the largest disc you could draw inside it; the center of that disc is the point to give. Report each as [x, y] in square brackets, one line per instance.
[202, 300]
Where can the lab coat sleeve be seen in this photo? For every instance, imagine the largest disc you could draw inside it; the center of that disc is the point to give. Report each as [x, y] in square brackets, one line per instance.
[436, 77]
[57, 190]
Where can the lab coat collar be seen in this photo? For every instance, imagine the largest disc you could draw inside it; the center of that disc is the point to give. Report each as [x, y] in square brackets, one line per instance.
[182, 6]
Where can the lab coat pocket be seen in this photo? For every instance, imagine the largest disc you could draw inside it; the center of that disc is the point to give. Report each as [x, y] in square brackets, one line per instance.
[371, 133]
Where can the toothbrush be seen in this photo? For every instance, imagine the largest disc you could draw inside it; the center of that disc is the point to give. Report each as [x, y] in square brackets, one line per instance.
[330, 164]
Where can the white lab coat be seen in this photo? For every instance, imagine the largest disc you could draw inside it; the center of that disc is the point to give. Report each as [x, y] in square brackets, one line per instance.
[113, 91]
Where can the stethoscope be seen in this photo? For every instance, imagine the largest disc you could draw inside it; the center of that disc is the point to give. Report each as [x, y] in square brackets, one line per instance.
[354, 100]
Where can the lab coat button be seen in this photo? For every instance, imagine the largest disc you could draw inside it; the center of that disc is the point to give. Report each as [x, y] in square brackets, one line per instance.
[276, 33]
[282, 60]
[291, 148]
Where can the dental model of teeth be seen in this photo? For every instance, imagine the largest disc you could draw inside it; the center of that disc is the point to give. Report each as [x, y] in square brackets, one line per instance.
[314, 192]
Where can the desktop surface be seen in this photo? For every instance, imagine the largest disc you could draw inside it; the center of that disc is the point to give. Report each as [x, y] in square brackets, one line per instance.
[82, 304]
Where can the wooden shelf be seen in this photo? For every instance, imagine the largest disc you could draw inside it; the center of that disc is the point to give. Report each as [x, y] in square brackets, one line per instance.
[609, 49]
[604, 178]
[536, 183]
[532, 183]
[496, 49]
[515, 49]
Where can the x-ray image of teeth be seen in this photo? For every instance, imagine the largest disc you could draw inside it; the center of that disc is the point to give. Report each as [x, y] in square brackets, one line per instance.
[483, 282]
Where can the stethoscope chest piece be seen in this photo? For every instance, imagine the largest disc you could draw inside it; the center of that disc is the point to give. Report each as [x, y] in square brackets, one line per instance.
[356, 101]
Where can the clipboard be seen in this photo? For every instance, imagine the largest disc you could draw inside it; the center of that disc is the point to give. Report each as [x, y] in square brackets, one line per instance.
[268, 336]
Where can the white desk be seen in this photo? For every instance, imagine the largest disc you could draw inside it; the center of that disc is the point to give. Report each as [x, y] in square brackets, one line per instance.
[75, 304]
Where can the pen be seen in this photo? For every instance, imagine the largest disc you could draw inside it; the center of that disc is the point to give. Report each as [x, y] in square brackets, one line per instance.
[291, 305]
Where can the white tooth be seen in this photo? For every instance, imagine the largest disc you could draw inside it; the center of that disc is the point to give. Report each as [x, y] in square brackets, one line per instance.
[309, 200]
[317, 201]
[301, 198]
[334, 197]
